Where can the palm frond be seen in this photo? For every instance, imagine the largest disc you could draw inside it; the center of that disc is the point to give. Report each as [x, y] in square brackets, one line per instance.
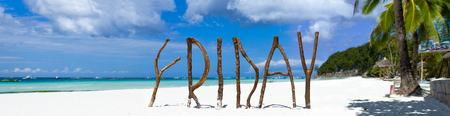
[355, 7]
[387, 17]
[412, 16]
[369, 5]
[430, 13]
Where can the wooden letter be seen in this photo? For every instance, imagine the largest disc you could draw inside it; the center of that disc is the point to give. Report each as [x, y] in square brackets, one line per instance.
[159, 74]
[311, 68]
[219, 73]
[238, 45]
[191, 41]
[266, 71]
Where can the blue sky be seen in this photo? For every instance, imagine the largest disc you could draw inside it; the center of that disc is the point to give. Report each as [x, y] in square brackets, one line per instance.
[115, 38]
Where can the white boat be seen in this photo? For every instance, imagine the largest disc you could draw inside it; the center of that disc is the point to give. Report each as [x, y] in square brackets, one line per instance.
[28, 77]
[97, 78]
[175, 78]
[56, 77]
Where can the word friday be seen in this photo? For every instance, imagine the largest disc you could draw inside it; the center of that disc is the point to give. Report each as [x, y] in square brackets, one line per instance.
[238, 48]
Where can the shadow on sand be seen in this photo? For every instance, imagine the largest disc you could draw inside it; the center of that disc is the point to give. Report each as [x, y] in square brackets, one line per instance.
[203, 106]
[429, 106]
[281, 106]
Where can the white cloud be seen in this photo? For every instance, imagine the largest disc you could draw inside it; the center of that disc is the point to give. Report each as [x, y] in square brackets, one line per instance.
[39, 70]
[197, 9]
[282, 64]
[218, 24]
[325, 29]
[325, 15]
[9, 24]
[98, 46]
[103, 17]
[66, 70]
[292, 62]
[112, 72]
[268, 11]
[26, 70]
[77, 69]
[290, 11]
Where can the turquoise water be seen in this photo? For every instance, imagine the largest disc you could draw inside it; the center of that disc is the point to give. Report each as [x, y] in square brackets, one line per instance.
[67, 84]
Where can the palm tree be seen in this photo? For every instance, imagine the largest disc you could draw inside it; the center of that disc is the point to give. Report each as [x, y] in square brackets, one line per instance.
[382, 39]
[418, 13]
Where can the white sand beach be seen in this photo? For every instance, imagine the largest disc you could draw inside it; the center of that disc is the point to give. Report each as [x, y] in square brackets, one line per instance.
[328, 97]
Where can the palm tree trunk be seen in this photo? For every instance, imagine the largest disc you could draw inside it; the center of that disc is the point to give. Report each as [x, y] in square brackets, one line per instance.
[440, 69]
[448, 68]
[415, 53]
[390, 52]
[408, 81]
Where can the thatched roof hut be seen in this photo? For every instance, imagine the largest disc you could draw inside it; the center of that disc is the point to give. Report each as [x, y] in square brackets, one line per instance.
[447, 55]
[384, 63]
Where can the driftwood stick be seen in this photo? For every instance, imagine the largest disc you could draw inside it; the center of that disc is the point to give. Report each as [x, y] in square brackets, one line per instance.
[248, 105]
[189, 61]
[219, 73]
[238, 46]
[266, 72]
[158, 75]
[291, 78]
[238, 80]
[309, 71]
[278, 72]
[191, 41]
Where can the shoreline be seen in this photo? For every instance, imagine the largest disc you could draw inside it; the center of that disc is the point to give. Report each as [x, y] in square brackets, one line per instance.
[341, 96]
[103, 85]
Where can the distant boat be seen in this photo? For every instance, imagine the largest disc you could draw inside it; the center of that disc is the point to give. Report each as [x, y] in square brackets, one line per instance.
[97, 78]
[57, 77]
[28, 77]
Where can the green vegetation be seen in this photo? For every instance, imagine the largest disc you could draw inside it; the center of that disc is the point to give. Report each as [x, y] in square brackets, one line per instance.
[10, 80]
[362, 58]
